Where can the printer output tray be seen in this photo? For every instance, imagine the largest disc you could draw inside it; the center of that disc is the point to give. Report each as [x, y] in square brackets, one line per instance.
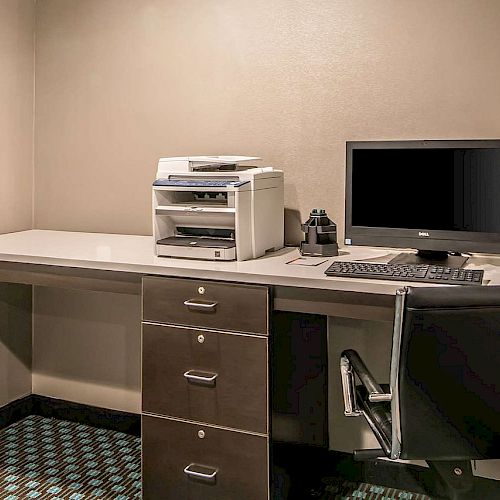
[197, 241]
[197, 248]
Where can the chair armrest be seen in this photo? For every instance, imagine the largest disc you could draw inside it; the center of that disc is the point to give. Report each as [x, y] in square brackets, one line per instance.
[351, 408]
[370, 400]
[351, 361]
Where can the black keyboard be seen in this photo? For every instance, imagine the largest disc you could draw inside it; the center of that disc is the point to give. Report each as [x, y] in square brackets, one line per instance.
[407, 272]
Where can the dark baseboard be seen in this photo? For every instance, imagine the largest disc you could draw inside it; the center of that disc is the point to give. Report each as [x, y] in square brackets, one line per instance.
[120, 421]
[15, 411]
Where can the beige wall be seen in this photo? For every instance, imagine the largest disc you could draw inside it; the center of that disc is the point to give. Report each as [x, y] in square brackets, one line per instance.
[17, 19]
[87, 347]
[123, 82]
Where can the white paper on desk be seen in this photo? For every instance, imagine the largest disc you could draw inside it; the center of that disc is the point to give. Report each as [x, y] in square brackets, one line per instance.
[307, 261]
[490, 276]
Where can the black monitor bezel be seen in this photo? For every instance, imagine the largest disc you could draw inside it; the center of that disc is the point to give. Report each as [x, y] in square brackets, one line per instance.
[454, 241]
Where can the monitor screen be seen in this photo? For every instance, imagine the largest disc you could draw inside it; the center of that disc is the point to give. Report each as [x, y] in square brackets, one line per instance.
[428, 195]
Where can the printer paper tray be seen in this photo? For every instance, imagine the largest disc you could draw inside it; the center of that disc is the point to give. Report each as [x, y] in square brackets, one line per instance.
[197, 248]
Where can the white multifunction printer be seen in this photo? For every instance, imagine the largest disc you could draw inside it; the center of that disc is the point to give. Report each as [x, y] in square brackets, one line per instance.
[211, 207]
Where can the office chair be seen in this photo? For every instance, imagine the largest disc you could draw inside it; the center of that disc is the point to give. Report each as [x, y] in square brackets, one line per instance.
[443, 401]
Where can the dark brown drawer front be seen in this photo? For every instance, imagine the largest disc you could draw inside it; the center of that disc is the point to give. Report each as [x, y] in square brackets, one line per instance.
[206, 304]
[238, 462]
[180, 363]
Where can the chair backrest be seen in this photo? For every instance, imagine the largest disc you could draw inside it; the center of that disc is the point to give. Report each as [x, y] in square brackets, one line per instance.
[447, 373]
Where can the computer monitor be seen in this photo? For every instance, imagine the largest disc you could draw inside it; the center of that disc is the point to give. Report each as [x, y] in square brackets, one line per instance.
[438, 197]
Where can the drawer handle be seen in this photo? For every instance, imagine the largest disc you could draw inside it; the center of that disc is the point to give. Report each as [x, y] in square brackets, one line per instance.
[201, 377]
[200, 305]
[191, 471]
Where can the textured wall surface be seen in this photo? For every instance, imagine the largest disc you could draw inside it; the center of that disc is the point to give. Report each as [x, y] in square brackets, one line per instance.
[17, 18]
[87, 347]
[121, 83]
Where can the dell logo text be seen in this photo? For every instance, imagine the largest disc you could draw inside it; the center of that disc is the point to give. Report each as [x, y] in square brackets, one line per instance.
[422, 233]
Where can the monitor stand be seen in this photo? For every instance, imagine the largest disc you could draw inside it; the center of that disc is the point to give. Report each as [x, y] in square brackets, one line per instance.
[432, 257]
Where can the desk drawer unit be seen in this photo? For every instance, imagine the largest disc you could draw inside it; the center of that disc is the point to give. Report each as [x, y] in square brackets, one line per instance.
[195, 462]
[204, 390]
[206, 304]
[206, 376]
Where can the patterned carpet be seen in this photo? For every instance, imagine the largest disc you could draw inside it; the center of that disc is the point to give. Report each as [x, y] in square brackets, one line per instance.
[46, 458]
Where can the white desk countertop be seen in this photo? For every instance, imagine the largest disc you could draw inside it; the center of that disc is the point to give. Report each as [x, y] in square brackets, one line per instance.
[135, 254]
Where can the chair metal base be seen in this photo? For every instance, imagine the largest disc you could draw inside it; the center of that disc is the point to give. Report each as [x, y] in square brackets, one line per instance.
[455, 477]
[457, 482]
[368, 454]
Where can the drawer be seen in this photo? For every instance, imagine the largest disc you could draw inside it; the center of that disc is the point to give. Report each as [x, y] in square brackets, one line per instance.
[206, 376]
[219, 464]
[206, 304]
